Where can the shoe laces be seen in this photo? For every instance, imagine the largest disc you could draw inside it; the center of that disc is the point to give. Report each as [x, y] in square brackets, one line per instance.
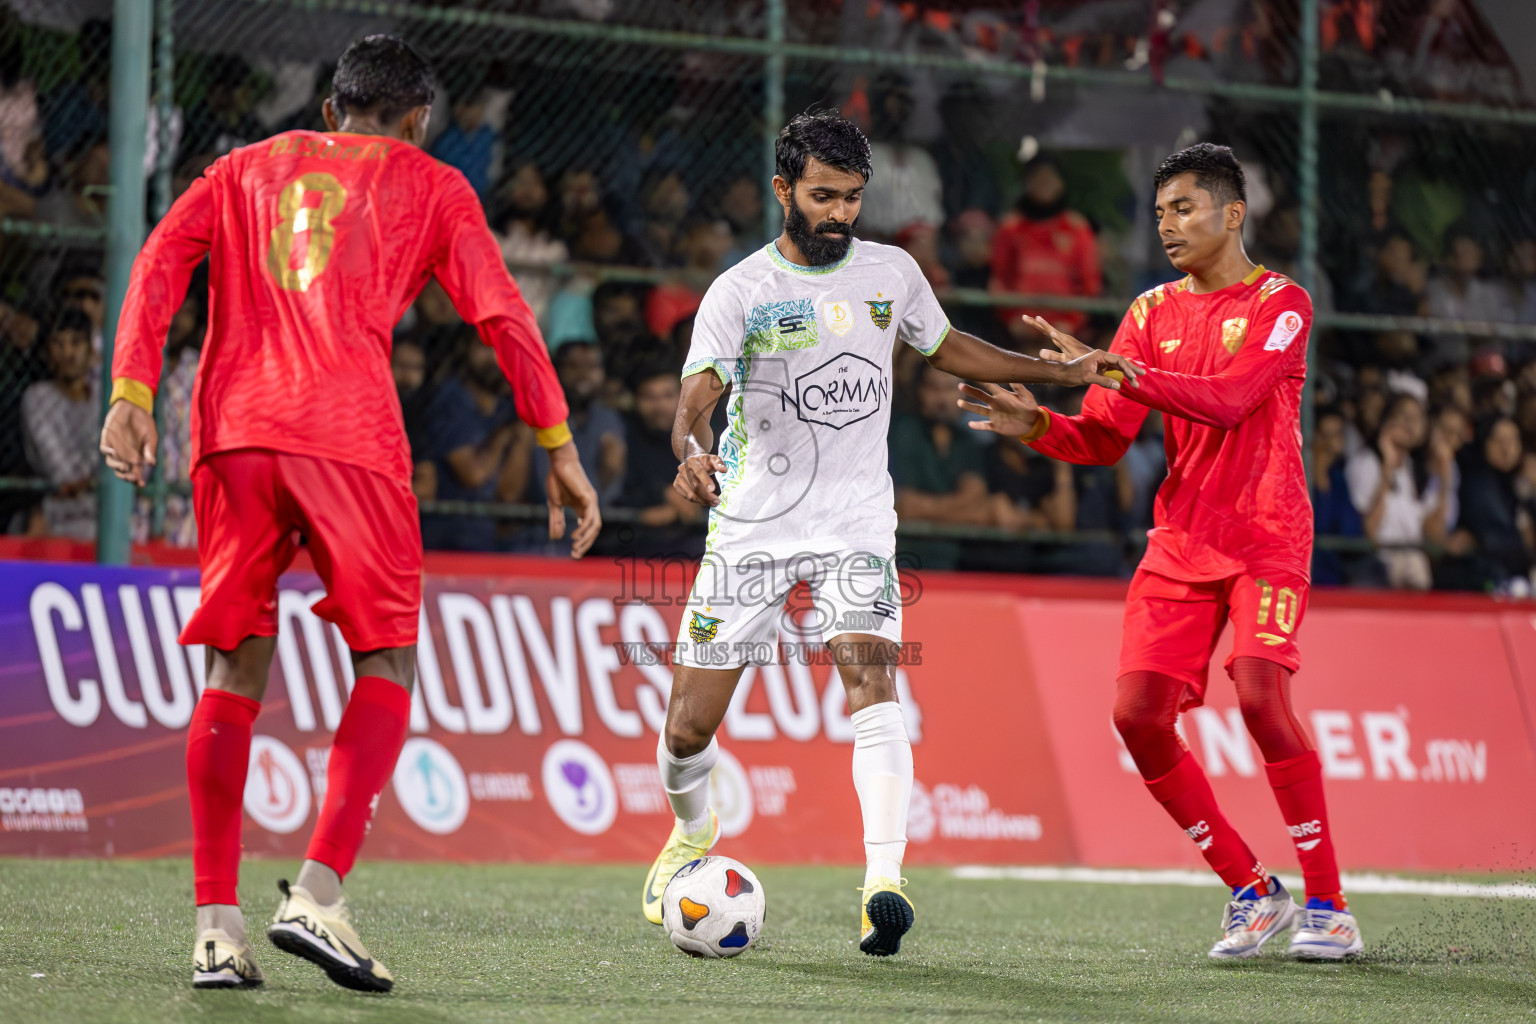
[1316, 919]
[1240, 913]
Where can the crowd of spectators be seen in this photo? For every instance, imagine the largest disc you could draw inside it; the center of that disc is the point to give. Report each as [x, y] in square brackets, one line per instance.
[1425, 454]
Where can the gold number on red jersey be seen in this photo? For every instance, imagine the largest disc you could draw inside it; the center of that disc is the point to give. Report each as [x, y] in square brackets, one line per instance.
[297, 215]
[1286, 604]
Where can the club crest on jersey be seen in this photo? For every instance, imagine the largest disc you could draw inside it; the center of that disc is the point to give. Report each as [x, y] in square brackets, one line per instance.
[839, 316]
[1286, 328]
[703, 628]
[880, 312]
[1169, 345]
[1233, 332]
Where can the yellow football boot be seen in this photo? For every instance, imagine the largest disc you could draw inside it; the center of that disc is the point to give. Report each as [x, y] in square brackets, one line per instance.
[888, 915]
[218, 961]
[326, 938]
[680, 849]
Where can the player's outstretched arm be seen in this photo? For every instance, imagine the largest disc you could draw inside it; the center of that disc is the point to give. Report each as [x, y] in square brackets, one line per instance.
[1222, 400]
[967, 356]
[692, 439]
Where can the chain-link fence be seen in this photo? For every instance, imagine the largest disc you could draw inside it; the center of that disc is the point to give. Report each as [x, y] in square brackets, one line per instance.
[623, 151]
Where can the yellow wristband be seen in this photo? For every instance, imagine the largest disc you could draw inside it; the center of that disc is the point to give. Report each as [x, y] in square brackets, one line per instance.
[135, 391]
[1042, 424]
[553, 437]
[1115, 375]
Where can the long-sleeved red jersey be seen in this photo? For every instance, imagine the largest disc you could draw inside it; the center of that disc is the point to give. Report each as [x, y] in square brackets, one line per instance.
[1227, 369]
[319, 242]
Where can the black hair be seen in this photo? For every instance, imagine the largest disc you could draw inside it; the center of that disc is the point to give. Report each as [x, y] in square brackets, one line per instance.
[1215, 169]
[70, 318]
[825, 135]
[650, 370]
[563, 354]
[381, 75]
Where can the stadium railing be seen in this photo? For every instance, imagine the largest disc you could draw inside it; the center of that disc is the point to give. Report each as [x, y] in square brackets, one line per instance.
[770, 58]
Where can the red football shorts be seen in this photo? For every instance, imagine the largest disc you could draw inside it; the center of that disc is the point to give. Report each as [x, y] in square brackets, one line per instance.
[362, 530]
[1172, 627]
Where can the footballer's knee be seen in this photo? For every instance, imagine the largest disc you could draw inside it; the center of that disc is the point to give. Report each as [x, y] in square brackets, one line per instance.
[396, 664]
[868, 684]
[1139, 723]
[684, 738]
[243, 670]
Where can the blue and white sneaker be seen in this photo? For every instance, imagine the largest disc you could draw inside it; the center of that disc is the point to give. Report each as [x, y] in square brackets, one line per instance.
[1325, 933]
[1252, 919]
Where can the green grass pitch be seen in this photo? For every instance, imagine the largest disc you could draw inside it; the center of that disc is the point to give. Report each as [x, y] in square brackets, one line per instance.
[112, 943]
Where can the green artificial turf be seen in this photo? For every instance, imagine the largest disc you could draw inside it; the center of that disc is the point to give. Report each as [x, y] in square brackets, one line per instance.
[112, 942]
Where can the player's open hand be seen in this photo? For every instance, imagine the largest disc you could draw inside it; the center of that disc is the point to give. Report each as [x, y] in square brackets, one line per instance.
[696, 481]
[569, 488]
[128, 440]
[1009, 408]
[1085, 364]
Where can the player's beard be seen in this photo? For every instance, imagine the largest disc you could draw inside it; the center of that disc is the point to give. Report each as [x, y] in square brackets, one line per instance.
[816, 245]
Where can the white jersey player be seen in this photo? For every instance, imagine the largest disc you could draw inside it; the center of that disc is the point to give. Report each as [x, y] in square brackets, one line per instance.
[803, 333]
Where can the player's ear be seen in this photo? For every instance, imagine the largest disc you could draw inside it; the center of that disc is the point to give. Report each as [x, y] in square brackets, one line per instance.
[1237, 212]
[783, 191]
[328, 111]
[413, 126]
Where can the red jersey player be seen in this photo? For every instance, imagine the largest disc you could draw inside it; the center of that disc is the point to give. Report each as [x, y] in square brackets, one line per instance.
[318, 242]
[1226, 354]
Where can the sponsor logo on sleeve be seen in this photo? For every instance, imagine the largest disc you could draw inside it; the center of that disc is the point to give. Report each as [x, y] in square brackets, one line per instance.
[1285, 331]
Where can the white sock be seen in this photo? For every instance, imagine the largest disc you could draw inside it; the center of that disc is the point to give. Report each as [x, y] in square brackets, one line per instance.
[323, 883]
[882, 774]
[225, 917]
[686, 780]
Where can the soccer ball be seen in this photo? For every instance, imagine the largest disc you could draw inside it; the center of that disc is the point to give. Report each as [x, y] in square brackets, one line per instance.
[713, 907]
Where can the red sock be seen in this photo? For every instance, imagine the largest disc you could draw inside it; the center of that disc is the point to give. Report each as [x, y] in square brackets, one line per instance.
[363, 757]
[218, 753]
[1298, 786]
[1185, 794]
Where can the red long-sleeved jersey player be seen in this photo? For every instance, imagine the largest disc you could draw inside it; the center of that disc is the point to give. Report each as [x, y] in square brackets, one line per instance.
[1225, 350]
[318, 242]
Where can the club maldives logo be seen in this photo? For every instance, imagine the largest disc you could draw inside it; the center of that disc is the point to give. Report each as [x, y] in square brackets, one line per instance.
[431, 787]
[579, 787]
[276, 786]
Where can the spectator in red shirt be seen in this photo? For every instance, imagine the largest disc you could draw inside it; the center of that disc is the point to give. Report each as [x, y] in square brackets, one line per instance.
[1046, 249]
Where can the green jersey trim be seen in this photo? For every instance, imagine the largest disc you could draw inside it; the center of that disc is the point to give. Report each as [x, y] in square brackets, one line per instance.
[772, 249]
[931, 349]
[700, 365]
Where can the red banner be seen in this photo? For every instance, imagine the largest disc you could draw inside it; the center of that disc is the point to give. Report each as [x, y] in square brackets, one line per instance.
[535, 719]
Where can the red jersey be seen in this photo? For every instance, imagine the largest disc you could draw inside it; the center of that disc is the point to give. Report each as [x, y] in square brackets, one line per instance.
[1055, 256]
[1227, 368]
[319, 242]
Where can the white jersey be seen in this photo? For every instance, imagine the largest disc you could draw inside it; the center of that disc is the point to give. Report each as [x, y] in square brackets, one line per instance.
[808, 353]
